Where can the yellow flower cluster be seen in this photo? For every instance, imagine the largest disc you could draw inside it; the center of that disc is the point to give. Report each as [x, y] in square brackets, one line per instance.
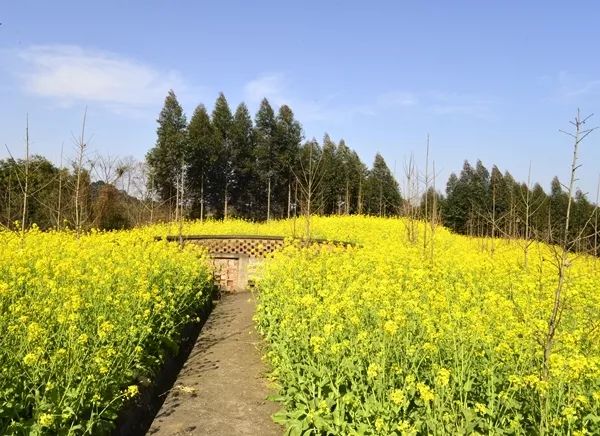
[439, 334]
[84, 319]
[444, 334]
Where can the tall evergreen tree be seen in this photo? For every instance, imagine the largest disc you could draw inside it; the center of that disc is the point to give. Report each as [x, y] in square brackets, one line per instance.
[558, 200]
[382, 191]
[358, 173]
[457, 207]
[244, 193]
[201, 160]
[223, 172]
[344, 159]
[540, 211]
[481, 198]
[266, 153]
[500, 201]
[512, 195]
[331, 176]
[166, 158]
[469, 200]
[310, 177]
[288, 137]
[581, 229]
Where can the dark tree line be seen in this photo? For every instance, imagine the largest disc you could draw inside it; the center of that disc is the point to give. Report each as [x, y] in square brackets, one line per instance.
[48, 186]
[112, 194]
[226, 164]
[483, 203]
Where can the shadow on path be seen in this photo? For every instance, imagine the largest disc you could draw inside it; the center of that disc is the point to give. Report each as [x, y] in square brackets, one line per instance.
[221, 389]
[136, 419]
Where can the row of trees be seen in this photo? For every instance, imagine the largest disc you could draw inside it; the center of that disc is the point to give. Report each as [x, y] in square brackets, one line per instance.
[483, 203]
[216, 165]
[226, 164]
[107, 193]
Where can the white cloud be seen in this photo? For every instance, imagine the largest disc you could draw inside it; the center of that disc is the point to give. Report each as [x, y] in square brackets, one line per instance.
[277, 89]
[569, 87]
[71, 74]
[270, 86]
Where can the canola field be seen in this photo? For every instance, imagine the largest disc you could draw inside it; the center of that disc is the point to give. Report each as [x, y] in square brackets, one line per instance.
[84, 321]
[390, 336]
[397, 337]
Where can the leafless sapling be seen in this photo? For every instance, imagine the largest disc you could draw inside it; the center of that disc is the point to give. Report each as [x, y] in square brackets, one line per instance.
[81, 150]
[562, 262]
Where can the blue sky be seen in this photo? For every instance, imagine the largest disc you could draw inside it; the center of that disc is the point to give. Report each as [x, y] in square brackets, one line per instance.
[487, 80]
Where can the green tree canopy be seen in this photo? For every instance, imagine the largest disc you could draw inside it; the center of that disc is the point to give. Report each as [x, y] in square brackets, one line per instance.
[382, 196]
[202, 158]
[222, 174]
[166, 158]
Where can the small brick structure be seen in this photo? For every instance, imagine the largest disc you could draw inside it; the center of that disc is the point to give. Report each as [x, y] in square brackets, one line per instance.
[249, 245]
[236, 257]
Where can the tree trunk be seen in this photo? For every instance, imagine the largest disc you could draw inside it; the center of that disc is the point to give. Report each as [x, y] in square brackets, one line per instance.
[177, 199]
[202, 198]
[289, 205]
[59, 206]
[8, 211]
[226, 198]
[81, 145]
[380, 198]
[527, 213]
[296, 199]
[359, 199]
[426, 195]
[26, 182]
[269, 198]
[596, 253]
[347, 200]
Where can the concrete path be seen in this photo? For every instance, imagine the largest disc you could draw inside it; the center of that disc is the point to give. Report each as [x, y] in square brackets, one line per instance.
[221, 389]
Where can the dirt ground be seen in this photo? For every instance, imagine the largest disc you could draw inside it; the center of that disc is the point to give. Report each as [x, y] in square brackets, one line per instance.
[221, 389]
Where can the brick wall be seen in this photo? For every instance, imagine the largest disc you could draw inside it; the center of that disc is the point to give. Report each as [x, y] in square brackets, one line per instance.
[237, 259]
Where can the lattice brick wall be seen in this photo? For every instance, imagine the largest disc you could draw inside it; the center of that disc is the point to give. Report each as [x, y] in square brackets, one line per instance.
[236, 259]
[255, 247]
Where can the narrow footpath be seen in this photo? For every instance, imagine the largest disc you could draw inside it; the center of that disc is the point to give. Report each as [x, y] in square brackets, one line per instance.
[221, 389]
